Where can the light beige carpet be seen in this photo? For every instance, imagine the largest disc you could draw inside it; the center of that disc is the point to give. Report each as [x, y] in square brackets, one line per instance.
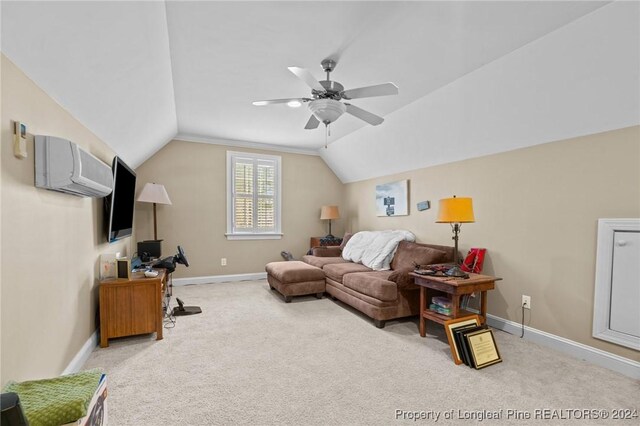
[249, 358]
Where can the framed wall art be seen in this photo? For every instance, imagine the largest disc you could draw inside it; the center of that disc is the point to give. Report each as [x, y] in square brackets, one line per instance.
[392, 199]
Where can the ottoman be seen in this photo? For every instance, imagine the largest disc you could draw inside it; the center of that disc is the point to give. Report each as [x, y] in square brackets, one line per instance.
[295, 278]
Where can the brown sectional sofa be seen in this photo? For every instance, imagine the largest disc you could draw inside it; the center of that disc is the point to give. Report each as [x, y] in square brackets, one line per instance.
[381, 295]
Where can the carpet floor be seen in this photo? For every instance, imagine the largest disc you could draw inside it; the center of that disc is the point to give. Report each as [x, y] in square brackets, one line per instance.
[249, 358]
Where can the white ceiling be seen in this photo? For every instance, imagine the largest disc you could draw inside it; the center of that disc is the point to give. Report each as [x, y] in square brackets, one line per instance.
[139, 73]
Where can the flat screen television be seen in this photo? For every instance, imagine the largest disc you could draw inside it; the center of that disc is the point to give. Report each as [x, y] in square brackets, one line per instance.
[118, 206]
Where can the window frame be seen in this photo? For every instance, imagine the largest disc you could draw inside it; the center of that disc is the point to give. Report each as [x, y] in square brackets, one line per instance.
[232, 234]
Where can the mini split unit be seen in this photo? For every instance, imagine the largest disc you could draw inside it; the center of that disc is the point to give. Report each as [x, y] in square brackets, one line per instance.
[63, 166]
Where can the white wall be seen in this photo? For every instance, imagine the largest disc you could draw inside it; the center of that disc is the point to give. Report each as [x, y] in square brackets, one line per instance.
[578, 80]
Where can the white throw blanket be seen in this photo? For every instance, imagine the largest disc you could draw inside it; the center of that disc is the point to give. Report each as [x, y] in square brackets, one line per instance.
[375, 249]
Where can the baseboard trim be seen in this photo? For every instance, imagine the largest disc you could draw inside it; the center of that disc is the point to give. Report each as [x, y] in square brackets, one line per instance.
[83, 355]
[593, 355]
[213, 279]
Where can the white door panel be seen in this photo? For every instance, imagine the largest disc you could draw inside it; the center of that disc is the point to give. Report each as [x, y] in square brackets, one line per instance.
[625, 283]
[616, 307]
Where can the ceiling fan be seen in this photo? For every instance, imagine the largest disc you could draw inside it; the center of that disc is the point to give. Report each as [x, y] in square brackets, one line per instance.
[326, 95]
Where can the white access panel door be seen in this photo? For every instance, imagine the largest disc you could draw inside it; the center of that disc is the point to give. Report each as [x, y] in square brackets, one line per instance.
[616, 304]
[624, 315]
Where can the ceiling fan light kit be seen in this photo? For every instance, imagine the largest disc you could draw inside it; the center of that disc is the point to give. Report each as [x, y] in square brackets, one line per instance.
[325, 105]
[327, 110]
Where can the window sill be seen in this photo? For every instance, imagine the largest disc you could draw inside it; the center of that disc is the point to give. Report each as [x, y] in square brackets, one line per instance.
[260, 236]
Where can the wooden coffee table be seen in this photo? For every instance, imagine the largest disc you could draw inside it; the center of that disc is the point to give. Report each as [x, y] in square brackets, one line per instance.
[455, 288]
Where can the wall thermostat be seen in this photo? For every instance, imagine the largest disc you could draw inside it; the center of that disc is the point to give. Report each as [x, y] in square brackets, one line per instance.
[20, 139]
[423, 205]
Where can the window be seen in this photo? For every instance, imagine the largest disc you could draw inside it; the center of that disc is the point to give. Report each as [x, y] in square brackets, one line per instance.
[253, 196]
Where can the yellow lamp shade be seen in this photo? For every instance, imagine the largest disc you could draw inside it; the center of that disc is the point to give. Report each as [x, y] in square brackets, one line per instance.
[455, 210]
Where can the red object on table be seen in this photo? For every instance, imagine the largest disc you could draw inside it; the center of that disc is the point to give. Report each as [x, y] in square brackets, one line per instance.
[474, 260]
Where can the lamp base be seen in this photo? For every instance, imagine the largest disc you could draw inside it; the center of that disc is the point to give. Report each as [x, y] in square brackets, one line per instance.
[329, 237]
[456, 272]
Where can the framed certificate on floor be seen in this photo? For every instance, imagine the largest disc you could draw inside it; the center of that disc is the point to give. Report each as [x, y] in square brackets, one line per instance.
[451, 326]
[483, 348]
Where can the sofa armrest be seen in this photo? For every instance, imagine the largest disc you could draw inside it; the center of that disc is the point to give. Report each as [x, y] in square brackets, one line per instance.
[327, 251]
[403, 280]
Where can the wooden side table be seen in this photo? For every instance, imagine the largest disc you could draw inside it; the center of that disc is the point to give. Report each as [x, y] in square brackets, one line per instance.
[131, 306]
[455, 288]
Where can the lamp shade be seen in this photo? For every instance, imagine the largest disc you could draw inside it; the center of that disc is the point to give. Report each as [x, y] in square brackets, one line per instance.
[154, 193]
[329, 212]
[455, 210]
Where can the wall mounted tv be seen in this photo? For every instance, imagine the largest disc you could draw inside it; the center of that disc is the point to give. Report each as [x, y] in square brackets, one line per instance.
[118, 206]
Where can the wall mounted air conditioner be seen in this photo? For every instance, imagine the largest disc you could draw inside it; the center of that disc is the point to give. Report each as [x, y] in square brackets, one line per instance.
[63, 166]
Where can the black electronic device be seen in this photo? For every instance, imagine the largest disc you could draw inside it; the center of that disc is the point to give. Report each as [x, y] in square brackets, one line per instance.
[149, 249]
[182, 310]
[12, 414]
[118, 206]
[169, 263]
[181, 258]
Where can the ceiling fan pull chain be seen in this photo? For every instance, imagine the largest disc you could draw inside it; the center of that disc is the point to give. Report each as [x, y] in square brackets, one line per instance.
[326, 135]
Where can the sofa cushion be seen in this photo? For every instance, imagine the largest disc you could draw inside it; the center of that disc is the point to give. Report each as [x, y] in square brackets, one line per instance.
[374, 284]
[449, 250]
[326, 251]
[337, 270]
[409, 254]
[345, 239]
[320, 262]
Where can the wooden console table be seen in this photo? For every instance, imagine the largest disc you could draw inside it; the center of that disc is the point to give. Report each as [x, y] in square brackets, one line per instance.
[131, 306]
[455, 288]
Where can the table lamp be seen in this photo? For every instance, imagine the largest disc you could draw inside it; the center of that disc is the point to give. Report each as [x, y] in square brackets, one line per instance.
[156, 194]
[329, 213]
[455, 211]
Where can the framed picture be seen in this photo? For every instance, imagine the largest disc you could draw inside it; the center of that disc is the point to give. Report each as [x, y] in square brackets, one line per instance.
[451, 326]
[392, 199]
[483, 348]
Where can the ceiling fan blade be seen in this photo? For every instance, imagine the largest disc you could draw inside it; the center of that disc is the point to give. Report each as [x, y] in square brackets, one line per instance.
[312, 123]
[306, 76]
[281, 101]
[370, 118]
[384, 89]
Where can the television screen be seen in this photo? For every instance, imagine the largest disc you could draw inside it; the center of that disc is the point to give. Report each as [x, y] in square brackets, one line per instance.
[119, 204]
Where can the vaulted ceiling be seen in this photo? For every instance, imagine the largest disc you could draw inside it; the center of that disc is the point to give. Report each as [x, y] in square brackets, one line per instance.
[138, 74]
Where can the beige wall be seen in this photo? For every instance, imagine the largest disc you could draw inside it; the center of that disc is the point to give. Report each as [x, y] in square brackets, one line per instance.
[536, 212]
[194, 175]
[51, 242]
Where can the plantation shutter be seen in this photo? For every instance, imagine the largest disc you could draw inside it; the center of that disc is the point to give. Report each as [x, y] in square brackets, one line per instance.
[243, 194]
[266, 184]
[254, 194]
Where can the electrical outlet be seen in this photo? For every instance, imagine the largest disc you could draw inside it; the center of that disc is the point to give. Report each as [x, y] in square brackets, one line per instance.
[526, 301]
[223, 261]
